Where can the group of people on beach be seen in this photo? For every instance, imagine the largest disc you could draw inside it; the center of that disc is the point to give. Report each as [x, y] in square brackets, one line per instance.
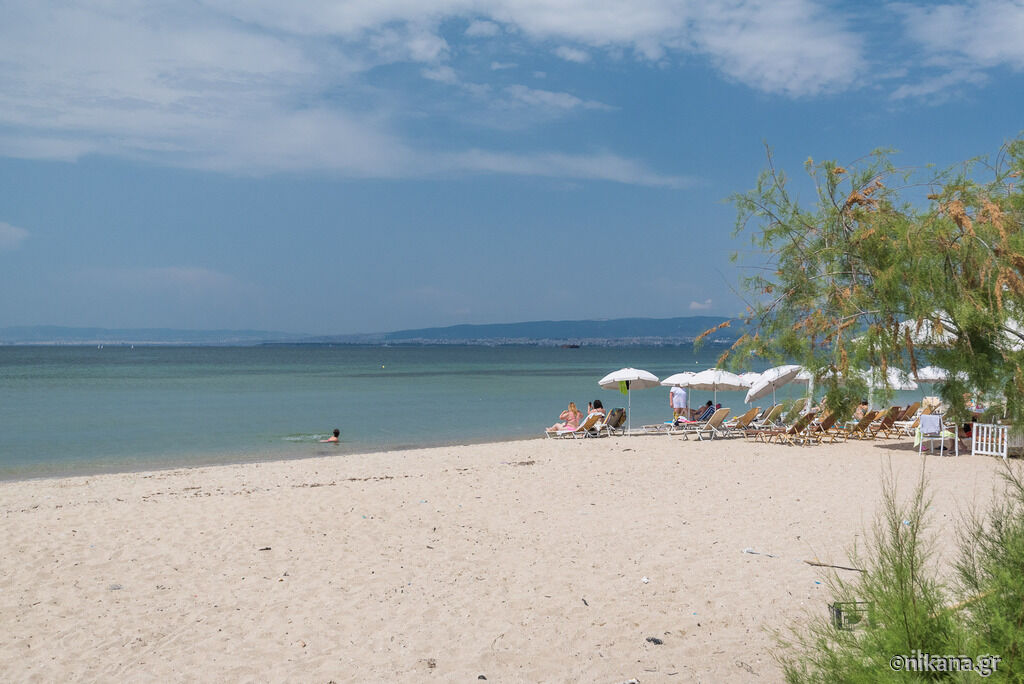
[681, 412]
[571, 417]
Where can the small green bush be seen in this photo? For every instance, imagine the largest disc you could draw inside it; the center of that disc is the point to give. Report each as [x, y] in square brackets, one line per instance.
[909, 610]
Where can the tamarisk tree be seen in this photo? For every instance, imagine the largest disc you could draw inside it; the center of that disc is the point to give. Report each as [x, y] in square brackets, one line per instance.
[891, 268]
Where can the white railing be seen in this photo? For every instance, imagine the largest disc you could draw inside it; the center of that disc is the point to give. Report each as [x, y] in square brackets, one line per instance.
[989, 440]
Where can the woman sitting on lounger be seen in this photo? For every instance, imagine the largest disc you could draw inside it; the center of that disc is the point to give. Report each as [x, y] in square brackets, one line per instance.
[570, 419]
[702, 413]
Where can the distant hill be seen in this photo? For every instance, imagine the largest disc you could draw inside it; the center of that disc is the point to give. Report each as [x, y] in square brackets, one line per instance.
[613, 332]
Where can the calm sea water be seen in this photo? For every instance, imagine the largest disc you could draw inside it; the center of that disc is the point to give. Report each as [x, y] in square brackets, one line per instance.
[75, 410]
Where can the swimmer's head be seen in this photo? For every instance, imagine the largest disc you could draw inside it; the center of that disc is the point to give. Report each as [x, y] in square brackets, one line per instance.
[337, 432]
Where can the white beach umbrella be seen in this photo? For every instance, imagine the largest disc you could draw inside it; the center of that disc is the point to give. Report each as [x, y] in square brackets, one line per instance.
[682, 379]
[930, 374]
[894, 379]
[749, 379]
[770, 380]
[928, 334]
[714, 379]
[631, 379]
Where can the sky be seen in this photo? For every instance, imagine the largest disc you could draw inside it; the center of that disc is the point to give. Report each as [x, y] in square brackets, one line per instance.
[371, 165]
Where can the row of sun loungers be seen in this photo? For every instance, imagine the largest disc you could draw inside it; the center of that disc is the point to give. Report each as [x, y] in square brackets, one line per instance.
[809, 428]
[770, 426]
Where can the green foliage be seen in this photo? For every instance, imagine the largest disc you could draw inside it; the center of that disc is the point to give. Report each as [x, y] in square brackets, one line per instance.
[909, 610]
[867, 278]
[905, 605]
[991, 571]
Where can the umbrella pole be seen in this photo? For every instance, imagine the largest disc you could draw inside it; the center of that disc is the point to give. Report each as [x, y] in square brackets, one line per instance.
[629, 410]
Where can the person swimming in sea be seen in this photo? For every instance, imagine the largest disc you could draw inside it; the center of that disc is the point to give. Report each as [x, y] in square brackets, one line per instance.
[334, 437]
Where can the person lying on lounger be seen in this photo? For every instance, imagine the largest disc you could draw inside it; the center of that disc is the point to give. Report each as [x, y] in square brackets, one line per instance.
[568, 420]
[702, 413]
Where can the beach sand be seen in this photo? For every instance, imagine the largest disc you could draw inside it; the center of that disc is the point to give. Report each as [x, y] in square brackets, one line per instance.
[521, 561]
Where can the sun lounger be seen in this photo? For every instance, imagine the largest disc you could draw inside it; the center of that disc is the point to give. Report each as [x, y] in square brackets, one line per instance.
[739, 425]
[582, 430]
[859, 430]
[884, 426]
[821, 430]
[614, 424]
[663, 428]
[909, 412]
[907, 428]
[712, 426]
[791, 435]
[770, 418]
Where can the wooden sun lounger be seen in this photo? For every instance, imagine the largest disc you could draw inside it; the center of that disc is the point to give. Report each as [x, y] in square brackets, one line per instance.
[885, 425]
[766, 423]
[909, 412]
[740, 425]
[860, 429]
[712, 426]
[819, 431]
[582, 430]
[790, 435]
[614, 424]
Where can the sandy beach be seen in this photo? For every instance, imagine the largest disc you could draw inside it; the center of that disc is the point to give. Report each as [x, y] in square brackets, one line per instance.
[527, 561]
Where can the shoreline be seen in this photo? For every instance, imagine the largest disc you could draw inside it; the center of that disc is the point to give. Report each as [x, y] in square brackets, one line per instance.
[520, 560]
[162, 465]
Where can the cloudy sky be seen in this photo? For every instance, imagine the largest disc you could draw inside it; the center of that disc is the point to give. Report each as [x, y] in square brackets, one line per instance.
[366, 165]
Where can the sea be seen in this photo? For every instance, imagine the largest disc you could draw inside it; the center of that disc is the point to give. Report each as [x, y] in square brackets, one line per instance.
[79, 410]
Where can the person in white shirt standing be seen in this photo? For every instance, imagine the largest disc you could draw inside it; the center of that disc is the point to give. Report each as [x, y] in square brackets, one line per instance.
[677, 399]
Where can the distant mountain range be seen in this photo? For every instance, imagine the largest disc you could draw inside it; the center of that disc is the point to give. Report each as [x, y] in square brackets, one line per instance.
[613, 332]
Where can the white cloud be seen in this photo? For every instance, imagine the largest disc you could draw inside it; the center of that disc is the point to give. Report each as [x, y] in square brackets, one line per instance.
[982, 33]
[499, 66]
[548, 98]
[256, 86]
[442, 74]
[570, 54]
[603, 167]
[960, 42]
[11, 237]
[940, 88]
[780, 46]
[482, 29]
[700, 306]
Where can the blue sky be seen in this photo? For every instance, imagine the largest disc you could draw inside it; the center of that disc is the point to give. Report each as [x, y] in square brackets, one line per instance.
[336, 167]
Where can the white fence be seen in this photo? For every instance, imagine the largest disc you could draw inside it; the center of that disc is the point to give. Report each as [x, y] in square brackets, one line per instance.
[989, 440]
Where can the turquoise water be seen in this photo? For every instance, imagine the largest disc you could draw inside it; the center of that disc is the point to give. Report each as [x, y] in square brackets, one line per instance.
[75, 410]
